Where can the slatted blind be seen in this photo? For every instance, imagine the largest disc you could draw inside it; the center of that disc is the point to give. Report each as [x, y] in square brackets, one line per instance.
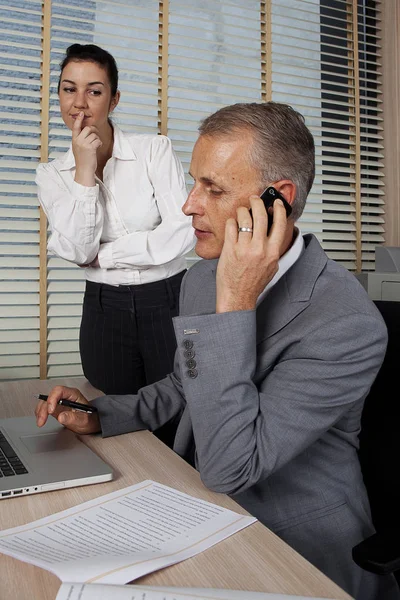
[371, 131]
[325, 63]
[20, 68]
[214, 59]
[129, 30]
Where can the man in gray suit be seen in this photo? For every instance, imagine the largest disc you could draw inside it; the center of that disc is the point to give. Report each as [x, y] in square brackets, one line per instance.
[277, 348]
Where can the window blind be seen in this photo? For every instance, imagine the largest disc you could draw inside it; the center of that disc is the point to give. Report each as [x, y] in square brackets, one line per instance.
[352, 131]
[325, 63]
[214, 59]
[20, 68]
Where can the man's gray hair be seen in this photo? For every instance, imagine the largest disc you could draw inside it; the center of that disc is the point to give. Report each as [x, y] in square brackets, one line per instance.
[283, 146]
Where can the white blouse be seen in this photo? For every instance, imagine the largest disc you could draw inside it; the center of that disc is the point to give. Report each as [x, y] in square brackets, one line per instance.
[132, 219]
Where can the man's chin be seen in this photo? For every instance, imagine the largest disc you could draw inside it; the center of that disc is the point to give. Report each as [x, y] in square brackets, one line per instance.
[206, 251]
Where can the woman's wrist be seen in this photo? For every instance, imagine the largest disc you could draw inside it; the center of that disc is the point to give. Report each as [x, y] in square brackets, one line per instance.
[85, 177]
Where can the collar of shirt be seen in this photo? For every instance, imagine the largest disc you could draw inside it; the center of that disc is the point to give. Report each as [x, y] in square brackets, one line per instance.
[285, 262]
[121, 150]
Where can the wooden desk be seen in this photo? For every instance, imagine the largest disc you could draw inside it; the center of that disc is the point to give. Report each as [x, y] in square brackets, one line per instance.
[253, 559]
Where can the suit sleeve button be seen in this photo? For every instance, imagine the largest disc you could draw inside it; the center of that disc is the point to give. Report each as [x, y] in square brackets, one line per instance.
[188, 344]
[191, 363]
[189, 354]
[192, 373]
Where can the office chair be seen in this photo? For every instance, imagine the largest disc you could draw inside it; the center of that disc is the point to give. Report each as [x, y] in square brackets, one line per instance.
[379, 456]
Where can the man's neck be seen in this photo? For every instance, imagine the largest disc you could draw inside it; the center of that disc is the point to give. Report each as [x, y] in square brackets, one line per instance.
[290, 236]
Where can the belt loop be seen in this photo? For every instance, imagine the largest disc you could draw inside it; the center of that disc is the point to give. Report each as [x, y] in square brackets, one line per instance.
[170, 293]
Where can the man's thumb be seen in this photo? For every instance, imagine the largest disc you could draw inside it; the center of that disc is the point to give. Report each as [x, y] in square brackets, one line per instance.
[63, 418]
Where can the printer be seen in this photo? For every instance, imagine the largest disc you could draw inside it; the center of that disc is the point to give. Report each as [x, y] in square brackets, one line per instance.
[384, 282]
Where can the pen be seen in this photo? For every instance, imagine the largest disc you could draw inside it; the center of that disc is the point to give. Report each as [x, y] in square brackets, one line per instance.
[76, 405]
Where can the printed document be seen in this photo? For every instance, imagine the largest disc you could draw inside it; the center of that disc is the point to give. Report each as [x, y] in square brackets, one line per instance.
[121, 536]
[78, 591]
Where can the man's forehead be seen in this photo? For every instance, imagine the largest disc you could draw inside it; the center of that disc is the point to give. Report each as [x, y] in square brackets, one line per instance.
[223, 161]
[228, 138]
[217, 151]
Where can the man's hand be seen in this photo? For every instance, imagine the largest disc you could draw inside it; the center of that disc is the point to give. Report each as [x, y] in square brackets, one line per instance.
[85, 143]
[77, 421]
[249, 260]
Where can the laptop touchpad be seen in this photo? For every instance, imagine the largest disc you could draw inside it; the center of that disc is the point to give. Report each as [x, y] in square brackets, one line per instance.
[48, 442]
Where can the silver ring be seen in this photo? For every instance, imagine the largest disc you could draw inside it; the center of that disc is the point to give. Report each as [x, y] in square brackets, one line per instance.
[248, 229]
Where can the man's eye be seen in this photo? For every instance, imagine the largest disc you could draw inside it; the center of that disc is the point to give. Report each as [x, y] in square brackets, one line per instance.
[215, 192]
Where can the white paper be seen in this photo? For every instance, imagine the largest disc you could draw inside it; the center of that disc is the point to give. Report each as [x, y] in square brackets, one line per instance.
[79, 591]
[123, 535]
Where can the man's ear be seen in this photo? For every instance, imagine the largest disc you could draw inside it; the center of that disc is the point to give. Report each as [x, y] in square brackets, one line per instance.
[287, 188]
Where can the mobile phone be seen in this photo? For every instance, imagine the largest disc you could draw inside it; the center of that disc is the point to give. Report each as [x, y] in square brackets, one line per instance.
[269, 196]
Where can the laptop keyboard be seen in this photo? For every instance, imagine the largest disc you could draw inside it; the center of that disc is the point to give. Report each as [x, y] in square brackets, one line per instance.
[10, 463]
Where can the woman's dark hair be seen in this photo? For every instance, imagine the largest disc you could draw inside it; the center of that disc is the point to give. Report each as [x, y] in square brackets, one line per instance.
[93, 53]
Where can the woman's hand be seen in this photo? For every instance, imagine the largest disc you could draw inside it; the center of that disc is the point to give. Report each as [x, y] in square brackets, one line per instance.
[85, 143]
[78, 421]
[249, 259]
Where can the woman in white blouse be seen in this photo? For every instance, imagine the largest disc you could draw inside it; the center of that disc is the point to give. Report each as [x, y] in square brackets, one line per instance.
[113, 203]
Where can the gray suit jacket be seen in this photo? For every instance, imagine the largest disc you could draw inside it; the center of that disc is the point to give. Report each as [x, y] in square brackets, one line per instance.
[270, 408]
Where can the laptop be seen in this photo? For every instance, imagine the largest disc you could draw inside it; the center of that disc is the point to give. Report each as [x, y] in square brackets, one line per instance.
[34, 460]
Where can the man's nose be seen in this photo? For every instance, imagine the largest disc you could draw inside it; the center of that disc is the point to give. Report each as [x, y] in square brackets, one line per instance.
[194, 203]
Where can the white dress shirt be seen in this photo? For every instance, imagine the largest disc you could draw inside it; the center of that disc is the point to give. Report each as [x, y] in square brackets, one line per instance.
[285, 262]
[132, 219]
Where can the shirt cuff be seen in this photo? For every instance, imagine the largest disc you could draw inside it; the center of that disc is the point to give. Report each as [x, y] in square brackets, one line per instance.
[85, 193]
[105, 256]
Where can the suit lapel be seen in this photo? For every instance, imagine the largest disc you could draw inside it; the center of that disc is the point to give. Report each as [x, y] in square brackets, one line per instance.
[292, 293]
